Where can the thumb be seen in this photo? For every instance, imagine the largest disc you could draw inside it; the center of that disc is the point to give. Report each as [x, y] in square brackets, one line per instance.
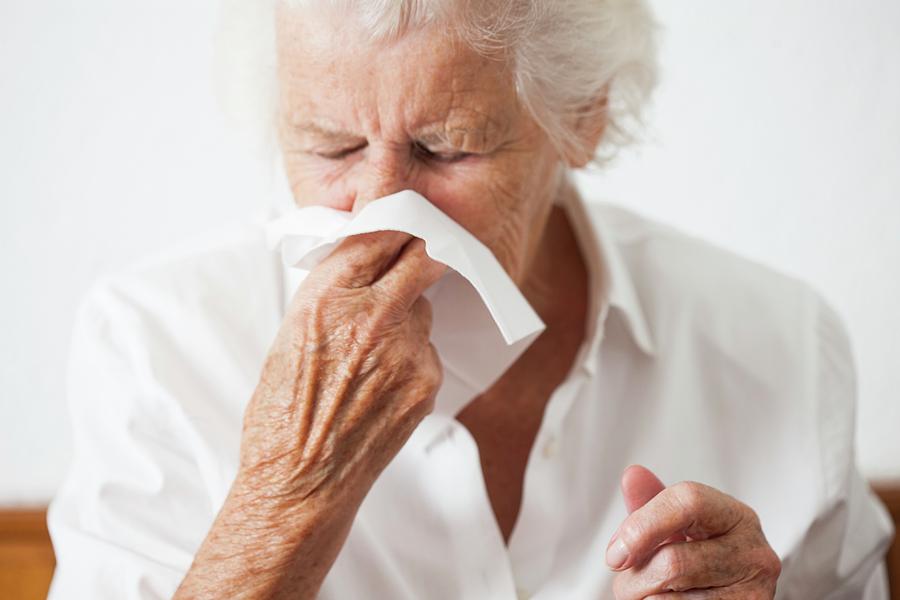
[639, 486]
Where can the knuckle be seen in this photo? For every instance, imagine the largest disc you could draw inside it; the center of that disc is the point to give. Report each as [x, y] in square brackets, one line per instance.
[424, 306]
[424, 379]
[772, 564]
[417, 403]
[750, 517]
[690, 495]
[422, 312]
[434, 370]
[427, 406]
[762, 567]
[632, 533]
[427, 382]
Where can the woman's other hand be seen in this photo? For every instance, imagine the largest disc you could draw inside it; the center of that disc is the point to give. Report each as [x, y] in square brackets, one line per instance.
[688, 541]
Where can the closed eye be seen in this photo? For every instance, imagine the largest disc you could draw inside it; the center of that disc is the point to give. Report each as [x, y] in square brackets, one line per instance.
[342, 153]
[446, 157]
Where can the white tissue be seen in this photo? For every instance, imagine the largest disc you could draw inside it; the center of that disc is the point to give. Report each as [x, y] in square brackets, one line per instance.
[481, 323]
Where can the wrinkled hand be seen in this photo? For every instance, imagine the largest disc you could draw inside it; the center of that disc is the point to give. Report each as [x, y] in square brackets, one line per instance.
[688, 541]
[350, 375]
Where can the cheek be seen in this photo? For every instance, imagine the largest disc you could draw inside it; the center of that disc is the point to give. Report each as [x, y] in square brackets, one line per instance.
[315, 182]
[494, 199]
[499, 204]
[461, 191]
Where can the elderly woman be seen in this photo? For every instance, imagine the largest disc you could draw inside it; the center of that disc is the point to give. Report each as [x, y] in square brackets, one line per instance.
[212, 462]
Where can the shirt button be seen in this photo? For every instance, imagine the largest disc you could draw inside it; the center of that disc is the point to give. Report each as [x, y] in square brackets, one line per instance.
[551, 447]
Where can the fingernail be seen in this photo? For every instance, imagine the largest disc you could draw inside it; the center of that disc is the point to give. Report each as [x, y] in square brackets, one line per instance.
[616, 554]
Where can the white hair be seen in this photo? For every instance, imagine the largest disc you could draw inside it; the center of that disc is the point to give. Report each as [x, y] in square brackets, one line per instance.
[565, 54]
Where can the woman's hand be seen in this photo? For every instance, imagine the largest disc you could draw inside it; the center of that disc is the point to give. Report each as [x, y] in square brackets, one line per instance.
[689, 541]
[349, 376]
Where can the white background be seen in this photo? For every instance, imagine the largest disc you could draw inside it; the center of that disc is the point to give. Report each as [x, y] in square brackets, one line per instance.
[775, 132]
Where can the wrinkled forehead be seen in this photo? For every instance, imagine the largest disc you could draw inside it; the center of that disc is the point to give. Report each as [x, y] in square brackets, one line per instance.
[326, 65]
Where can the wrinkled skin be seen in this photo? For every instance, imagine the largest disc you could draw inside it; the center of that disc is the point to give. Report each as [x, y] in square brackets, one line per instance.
[351, 372]
[355, 127]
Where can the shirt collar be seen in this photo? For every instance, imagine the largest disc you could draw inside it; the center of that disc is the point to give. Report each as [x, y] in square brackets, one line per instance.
[611, 285]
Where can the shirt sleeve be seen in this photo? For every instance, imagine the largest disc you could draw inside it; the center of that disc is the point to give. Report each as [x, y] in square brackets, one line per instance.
[132, 511]
[842, 554]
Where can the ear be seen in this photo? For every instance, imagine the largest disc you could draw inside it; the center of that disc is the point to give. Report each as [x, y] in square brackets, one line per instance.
[589, 127]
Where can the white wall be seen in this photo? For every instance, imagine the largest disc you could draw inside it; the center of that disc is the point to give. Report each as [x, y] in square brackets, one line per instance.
[110, 146]
[777, 133]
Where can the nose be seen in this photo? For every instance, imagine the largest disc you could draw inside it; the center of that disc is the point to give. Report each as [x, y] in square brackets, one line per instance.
[385, 171]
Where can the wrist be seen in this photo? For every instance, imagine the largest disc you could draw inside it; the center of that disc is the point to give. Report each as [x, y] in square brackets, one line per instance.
[265, 546]
[252, 505]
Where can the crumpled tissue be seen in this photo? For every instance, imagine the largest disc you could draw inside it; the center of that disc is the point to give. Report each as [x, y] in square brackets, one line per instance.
[481, 321]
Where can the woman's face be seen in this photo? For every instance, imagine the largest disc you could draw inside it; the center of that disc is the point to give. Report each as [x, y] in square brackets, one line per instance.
[359, 121]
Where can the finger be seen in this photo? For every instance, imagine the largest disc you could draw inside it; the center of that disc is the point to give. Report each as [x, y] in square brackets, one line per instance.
[411, 274]
[361, 259]
[687, 508]
[715, 563]
[639, 486]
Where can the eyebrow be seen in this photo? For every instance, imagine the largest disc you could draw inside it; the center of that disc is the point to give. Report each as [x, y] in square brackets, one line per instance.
[428, 135]
[324, 131]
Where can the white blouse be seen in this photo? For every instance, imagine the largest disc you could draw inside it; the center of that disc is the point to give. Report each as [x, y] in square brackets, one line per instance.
[698, 364]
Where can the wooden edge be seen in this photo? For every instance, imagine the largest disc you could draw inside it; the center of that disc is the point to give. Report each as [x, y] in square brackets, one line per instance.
[889, 494]
[30, 525]
[23, 523]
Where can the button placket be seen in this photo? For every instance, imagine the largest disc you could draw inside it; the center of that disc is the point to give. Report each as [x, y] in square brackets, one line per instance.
[451, 467]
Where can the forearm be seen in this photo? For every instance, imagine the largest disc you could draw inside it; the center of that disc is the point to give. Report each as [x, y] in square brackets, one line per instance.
[349, 376]
[260, 548]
